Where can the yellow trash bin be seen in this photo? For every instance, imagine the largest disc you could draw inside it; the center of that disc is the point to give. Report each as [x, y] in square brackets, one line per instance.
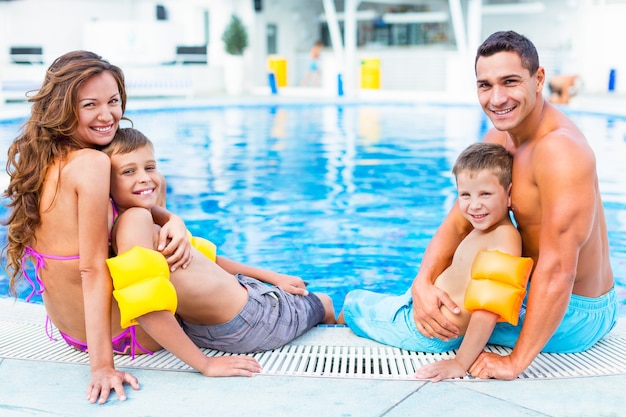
[278, 65]
[370, 73]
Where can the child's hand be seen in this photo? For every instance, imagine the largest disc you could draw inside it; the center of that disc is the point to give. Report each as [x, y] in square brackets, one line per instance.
[232, 366]
[440, 370]
[174, 243]
[291, 284]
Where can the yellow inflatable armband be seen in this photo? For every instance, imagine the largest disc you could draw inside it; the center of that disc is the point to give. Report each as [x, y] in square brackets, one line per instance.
[141, 284]
[204, 246]
[498, 284]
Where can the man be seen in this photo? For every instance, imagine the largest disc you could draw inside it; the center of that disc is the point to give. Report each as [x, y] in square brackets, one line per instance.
[557, 205]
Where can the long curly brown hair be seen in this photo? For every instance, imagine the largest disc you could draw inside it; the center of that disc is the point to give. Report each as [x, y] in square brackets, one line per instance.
[44, 137]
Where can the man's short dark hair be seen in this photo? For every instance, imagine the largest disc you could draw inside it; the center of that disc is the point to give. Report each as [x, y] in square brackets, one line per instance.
[510, 41]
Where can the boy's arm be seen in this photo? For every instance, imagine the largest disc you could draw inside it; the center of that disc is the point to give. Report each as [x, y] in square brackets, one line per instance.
[162, 194]
[165, 330]
[289, 283]
[481, 325]
[479, 330]
[173, 239]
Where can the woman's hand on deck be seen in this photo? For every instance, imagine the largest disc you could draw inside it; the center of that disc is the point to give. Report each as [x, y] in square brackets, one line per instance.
[105, 380]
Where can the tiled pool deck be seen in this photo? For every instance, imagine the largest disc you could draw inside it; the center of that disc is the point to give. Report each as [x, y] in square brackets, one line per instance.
[53, 387]
[42, 388]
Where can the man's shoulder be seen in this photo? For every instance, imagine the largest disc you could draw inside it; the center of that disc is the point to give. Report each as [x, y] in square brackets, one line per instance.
[494, 135]
[556, 123]
[563, 142]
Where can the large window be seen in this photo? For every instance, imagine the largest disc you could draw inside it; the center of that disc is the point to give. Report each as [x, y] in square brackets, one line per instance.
[400, 25]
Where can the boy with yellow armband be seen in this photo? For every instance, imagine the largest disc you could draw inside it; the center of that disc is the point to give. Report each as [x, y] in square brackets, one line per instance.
[219, 303]
[487, 274]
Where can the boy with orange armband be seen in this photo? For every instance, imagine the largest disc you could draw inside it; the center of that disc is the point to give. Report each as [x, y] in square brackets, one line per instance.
[220, 303]
[487, 274]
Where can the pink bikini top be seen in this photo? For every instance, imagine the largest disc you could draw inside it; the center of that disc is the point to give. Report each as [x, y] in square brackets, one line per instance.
[39, 262]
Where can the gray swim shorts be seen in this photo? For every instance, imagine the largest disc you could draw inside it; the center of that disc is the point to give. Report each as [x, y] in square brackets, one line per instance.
[270, 319]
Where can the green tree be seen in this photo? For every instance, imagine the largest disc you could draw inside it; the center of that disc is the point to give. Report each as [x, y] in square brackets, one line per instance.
[235, 37]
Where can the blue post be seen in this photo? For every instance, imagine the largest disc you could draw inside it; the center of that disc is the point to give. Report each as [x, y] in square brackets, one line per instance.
[339, 85]
[612, 76]
[272, 80]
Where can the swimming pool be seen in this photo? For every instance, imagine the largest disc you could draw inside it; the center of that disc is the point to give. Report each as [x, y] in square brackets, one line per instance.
[344, 195]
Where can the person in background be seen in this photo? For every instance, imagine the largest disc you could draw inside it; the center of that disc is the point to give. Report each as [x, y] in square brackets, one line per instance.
[313, 74]
[563, 88]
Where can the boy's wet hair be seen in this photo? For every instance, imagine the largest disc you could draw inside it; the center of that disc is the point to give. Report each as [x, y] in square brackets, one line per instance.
[127, 140]
[489, 156]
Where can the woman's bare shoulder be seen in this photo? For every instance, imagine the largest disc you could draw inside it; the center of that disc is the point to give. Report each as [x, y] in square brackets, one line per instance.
[86, 162]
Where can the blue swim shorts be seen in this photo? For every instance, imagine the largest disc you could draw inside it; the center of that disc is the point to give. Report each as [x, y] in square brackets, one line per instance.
[270, 319]
[388, 319]
[586, 321]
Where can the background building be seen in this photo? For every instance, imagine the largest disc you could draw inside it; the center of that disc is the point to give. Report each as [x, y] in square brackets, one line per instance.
[174, 47]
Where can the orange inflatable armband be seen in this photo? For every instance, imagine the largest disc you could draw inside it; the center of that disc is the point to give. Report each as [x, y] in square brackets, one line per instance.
[204, 246]
[498, 284]
[141, 284]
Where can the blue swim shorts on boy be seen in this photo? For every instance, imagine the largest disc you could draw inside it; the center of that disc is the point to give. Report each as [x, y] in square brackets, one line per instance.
[388, 319]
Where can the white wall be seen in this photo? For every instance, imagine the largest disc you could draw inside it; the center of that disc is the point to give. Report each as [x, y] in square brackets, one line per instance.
[599, 42]
[297, 31]
[125, 32]
[51, 24]
[574, 36]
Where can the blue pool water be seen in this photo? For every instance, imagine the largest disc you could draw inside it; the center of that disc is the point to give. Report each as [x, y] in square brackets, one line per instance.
[345, 196]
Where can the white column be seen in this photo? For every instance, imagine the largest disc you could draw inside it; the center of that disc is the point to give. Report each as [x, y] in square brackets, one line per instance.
[474, 25]
[335, 34]
[350, 30]
[458, 24]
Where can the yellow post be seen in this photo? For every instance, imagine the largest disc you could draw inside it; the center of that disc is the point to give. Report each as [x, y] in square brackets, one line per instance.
[370, 73]
[278, 65]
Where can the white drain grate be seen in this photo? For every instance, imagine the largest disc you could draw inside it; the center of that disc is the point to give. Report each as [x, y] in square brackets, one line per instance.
[608, 357]
[314, 355]
[365, 362]
[327, 352]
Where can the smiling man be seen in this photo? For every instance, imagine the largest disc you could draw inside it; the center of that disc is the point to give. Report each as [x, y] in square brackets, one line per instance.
[556, 202]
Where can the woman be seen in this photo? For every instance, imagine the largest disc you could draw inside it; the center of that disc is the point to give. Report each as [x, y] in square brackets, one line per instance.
[61, 214]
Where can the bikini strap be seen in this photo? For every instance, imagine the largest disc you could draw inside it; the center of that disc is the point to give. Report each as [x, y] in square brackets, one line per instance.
[38, 262]
[134, 344]
[116, 214]
[50, 329]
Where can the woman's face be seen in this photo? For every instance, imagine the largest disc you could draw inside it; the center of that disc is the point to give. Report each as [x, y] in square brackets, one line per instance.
[99, 111]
